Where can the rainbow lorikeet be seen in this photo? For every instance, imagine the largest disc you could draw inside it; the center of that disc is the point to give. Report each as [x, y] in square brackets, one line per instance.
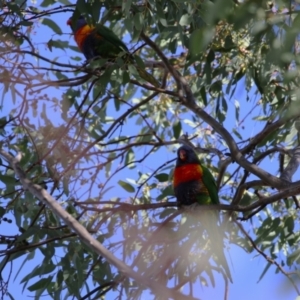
[193, 183]
[102, 42]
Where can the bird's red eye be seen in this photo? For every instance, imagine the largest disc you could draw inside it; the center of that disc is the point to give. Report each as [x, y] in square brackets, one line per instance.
[182, 154]
[69, 22]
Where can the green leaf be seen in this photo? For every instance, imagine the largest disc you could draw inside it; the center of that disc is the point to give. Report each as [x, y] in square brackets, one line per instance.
[160, 15]
[66, 2]
[237, 133]
[57, 44]
[46, 268]
[47, 3]
[48, 252]
[199, 40]
[9, 181]
[289, 224]
[81, 7]
[177, 130]
[265, 271]
[25, 23]
[246, 199]
[10, 296]
[52, 25]
[185, 20]
[2, 212]
[294, 256]
[41, 284]
[163, 177]
[224, 105]
[126, 186]
[66, 186]
[14, 7]
[130, 157]
[168, 191]
[139, 61]
[203, 95]
[138, 21]
[237, 110]
[13, 94]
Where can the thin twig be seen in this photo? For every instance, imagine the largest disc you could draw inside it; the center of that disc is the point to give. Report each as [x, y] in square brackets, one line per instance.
[269, 259]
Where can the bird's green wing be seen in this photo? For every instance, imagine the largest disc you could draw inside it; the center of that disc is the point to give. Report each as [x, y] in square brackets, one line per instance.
[211, 185]
[108, 35]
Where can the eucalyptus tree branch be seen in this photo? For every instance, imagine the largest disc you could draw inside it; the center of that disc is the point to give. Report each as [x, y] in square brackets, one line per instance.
[154, 64]
[153, 88]
[253, 213]
[244, 186]
[269, 128]
[27, 248]
[135, 144]
[82, 232]
[177, 77]
[287, 192]
[55, 63]
[63, 82]
[236, 154]
[37, 15]
[121, 206]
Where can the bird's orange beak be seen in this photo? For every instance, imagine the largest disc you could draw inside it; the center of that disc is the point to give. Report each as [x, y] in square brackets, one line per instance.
[182, 154]
[69, 22]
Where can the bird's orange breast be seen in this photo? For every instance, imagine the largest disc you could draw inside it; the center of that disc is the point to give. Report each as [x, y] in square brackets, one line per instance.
[187, 173]
[81, 34]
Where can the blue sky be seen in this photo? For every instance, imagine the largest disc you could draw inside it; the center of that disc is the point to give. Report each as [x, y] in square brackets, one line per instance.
[246, 268]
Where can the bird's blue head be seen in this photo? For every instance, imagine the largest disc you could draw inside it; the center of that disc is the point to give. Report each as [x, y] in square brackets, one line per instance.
[80, 23]
[186, 155]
